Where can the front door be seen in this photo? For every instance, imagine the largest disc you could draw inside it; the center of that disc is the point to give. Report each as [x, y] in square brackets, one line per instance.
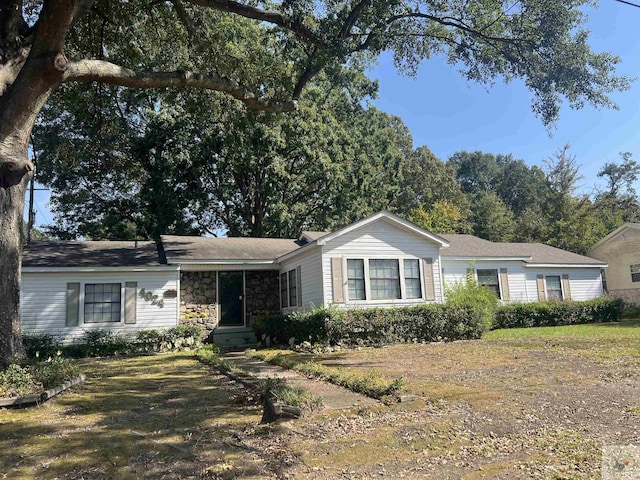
[231, 289]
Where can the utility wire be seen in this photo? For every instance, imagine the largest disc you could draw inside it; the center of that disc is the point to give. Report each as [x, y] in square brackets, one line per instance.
[628, 3]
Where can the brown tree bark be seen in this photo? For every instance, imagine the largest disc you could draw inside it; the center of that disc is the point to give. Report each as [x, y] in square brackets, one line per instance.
[25, 88]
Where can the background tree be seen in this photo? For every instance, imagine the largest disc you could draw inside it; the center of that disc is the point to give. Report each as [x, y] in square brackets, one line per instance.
[618, 203]
[442, 217]
[492, 219]
[198, 44]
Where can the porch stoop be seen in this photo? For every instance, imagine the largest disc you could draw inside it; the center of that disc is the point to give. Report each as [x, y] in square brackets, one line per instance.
[234, 337]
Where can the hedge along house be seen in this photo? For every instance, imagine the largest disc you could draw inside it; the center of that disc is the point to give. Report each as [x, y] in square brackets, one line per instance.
[225, 284]
[621, 250]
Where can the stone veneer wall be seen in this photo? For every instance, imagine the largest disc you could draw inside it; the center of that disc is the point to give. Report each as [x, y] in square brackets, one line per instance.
[262, 293]
[199, 303]
[198, 300]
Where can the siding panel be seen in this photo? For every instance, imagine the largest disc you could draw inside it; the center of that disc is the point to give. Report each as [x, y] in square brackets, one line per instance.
[43, 302]
[380, 240]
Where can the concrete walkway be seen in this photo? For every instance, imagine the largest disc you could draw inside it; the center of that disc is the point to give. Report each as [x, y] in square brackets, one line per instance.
[334, 397]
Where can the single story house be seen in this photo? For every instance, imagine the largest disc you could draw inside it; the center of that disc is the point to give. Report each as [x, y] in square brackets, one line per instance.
[621, 251]
[225, 284]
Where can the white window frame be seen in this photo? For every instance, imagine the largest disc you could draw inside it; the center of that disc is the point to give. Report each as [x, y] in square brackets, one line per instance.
[81, 301]
[367, 280]
[290, 287]
[497, 276]
[546, 290]
[284, 274]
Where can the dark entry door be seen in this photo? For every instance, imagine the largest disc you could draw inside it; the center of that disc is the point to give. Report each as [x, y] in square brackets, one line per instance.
[231, 289]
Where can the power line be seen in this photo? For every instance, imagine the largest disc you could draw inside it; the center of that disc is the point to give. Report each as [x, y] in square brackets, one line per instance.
[628, 3]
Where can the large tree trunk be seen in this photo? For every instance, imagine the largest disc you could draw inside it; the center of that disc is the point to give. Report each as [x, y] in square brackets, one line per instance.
[12, 192]
[27, 79]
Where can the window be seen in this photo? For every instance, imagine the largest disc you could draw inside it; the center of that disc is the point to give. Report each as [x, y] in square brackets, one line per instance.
[554, 287]
[102, 302]
[293, 289]
[385, 279]
[489, 278]
[355, 279]
[603, 275]
[284, 297]
[412, 279]
[635, 272]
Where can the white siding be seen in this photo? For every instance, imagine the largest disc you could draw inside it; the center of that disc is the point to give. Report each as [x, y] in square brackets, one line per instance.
[379, 240]
[43, 302]
[585, 283]
[310, 265]
[455, 270]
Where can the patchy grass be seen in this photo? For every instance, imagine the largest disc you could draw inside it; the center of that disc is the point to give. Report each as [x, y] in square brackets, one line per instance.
[162, 416]
[624, 330]
[525, 403]
[370, 382]
[290, 395]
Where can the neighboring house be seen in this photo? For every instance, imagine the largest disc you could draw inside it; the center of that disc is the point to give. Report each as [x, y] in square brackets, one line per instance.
[227, 284]
[621, 250]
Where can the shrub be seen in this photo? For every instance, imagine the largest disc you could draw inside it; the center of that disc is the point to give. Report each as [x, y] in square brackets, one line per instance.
[470, 294]
[184, 331]
[40, 346]
[545, 314]
[377, 326]
[16, 380]
[54, 371]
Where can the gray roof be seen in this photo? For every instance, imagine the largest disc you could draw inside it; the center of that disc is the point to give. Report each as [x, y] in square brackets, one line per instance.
[182, 248]
[51, 253]
[471, 246]
[314, 235]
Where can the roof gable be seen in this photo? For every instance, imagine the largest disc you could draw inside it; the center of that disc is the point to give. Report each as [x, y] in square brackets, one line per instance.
[387, 217]
[617, 232]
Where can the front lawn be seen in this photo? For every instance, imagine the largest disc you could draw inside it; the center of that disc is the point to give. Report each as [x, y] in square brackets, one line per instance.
[538, 402]
[162, 416]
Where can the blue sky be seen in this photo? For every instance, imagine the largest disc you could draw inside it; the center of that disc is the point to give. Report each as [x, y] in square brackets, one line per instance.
[449, 114]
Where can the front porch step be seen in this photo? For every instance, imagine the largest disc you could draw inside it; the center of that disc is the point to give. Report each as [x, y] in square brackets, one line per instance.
[234, 337]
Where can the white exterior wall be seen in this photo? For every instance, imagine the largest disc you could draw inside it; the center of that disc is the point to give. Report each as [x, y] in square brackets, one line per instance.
[455, 271]
[310, 264]
[379, 240]
[585, 283]
[43, 302]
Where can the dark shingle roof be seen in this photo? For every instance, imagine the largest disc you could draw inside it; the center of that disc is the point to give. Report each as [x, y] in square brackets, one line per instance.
[179, 248]
[51, 253]
[471, 246]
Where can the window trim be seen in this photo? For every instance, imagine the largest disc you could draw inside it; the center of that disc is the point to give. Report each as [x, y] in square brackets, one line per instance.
[497, 270]
[81, 300]
[546, 289]
[284, 292]
[631, 268]
[286, 274]
[292, 287]
[367, 280]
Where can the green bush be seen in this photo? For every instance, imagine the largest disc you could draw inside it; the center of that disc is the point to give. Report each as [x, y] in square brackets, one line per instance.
[376, 326]
[548, 314]
[470, 294]
[54, 372]
[40, 346]
[16, 381]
